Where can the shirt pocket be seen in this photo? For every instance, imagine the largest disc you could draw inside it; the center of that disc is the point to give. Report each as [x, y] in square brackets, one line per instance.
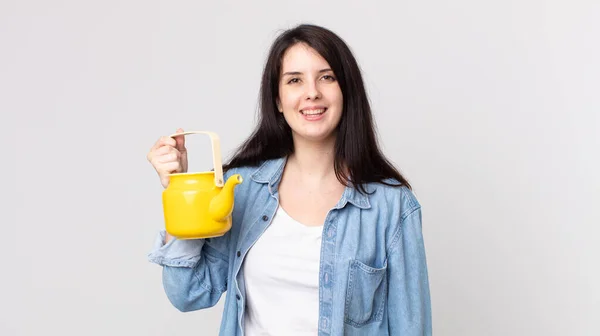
[366, 294]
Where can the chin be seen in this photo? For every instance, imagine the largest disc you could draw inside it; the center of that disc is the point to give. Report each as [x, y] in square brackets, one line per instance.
[316, 136]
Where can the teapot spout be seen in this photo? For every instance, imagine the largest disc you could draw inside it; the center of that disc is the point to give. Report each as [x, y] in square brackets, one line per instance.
[221, 205]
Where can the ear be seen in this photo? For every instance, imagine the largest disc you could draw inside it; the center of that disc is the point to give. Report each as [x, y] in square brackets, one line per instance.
[278, 102]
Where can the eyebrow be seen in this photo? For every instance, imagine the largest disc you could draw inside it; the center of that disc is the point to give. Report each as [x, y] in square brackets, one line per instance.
[295, 73]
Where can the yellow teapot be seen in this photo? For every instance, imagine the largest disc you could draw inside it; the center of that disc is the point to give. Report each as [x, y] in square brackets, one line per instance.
[199, 205]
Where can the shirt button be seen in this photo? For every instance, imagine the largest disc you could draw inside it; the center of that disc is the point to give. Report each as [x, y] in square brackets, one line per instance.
[239, 253]
[265, 217]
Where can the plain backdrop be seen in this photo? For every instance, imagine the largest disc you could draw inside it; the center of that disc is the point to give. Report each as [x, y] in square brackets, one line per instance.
[490, 108]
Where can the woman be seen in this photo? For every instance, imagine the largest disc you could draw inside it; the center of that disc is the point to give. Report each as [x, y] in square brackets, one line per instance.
[326, 235]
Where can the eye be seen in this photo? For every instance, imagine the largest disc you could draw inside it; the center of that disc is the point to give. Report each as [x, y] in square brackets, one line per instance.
[293, 80]
[328, 78]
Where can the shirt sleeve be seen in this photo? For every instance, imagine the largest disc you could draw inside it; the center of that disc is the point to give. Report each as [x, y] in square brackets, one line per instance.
[194, 273]
[175, 253]
[409, 304]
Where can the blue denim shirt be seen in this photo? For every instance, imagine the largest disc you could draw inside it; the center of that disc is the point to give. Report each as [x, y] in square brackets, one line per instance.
[373, 277]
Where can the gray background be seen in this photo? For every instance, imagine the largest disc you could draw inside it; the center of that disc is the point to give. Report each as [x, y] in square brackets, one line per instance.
[490, 108]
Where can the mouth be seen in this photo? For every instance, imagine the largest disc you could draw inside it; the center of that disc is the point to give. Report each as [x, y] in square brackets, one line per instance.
[313, 112]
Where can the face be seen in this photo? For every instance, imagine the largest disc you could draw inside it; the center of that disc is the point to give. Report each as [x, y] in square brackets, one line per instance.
[310, 97]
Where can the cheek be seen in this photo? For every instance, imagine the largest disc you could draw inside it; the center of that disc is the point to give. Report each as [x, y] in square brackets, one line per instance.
[339, 100]
[289, 99]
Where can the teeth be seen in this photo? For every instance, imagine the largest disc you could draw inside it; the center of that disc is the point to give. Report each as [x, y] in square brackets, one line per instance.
[312, 112]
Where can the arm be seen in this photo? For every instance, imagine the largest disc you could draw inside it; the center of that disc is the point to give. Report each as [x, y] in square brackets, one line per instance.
[409, 306]
[194, 271]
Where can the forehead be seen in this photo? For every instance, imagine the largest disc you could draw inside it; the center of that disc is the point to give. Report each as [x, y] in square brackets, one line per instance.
[301, 57]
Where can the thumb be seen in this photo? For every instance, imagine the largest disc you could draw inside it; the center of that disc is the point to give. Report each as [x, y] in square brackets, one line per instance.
[180, 141]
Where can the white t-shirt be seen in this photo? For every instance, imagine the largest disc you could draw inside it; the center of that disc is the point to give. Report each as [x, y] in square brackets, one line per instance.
[281, 273]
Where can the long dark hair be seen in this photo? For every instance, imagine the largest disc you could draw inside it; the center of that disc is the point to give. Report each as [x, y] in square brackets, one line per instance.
[358, 158]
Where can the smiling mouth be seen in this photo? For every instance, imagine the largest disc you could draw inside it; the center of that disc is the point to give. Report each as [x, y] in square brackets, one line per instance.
[313, 112]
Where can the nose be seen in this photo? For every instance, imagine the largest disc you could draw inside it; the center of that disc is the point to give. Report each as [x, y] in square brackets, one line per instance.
[312, 91]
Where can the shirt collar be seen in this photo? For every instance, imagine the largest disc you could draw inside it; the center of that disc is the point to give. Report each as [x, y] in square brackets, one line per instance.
[270, 172]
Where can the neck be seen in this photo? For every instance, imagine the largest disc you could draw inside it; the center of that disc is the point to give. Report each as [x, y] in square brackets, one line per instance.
[313, 161]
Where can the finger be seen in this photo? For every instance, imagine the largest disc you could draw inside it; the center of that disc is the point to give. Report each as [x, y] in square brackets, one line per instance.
[166, 149]
[168, 157]
[164, 141]
[155, 155]
[169, 141]
[171, 167]
[180, 141]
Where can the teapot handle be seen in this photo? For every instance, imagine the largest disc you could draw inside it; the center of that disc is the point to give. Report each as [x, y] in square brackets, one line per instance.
[216, 151]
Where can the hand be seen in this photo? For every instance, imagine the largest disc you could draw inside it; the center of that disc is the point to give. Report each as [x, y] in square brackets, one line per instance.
[168, 156]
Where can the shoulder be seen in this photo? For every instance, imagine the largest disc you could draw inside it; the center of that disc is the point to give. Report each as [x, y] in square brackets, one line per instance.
[245, 171]
[389, 195]
[251, 170]
[398, 209]
[263, 171]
